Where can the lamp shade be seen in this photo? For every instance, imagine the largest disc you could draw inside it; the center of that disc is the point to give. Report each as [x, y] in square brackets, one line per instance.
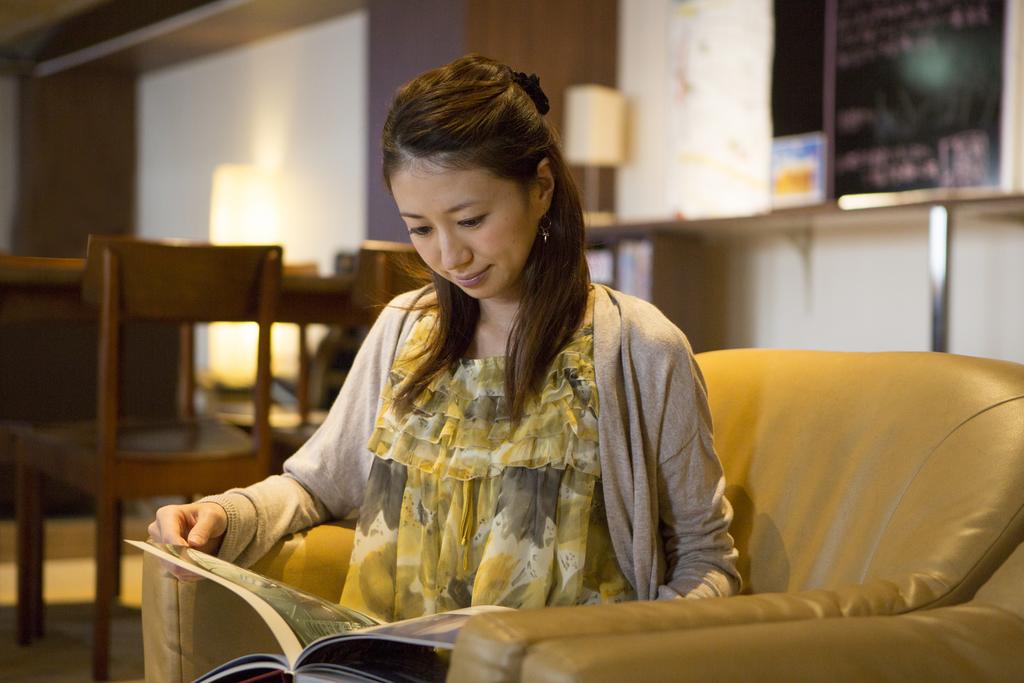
[595, 125]
[244, 205]
[244, 210]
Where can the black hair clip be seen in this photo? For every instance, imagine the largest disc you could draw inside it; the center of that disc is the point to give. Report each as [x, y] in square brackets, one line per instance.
[531, 84]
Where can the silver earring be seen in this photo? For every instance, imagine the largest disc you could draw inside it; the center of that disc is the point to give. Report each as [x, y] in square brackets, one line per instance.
[545, 228]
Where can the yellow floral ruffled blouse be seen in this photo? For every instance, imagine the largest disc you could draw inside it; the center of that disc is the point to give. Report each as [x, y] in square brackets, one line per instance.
[461, 510]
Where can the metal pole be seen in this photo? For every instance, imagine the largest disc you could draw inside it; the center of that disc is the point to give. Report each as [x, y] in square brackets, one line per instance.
[940, 231]
[592, 191]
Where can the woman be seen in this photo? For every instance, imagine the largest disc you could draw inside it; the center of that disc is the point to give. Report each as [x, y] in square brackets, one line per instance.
[509, 434]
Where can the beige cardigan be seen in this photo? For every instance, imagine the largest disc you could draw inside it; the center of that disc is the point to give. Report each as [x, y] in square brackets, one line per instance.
[662, 482]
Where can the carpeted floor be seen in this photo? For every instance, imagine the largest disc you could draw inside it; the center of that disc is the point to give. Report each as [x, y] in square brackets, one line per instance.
[64, 654]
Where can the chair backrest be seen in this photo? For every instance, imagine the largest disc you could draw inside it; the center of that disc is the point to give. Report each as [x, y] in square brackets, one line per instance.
[384, 270]
[179, 283]
[902, 471]
[45, 332]
[185, 282]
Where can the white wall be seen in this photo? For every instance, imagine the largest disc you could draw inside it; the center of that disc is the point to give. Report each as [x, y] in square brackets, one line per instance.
[863, 287]
[643, 77]
[295, 103]
[843, 293]
[8, 157]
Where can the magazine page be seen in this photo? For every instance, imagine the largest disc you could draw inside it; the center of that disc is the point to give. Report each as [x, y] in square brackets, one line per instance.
[246, 668]
[377, 661]
[296, 618]
[404, 650]
[432, 631]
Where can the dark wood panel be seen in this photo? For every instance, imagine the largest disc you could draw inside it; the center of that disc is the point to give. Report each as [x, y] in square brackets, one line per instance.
[18, 19]
[76, 161]
[233, 27]
[140, 36]
[564, 42]
[108, 20]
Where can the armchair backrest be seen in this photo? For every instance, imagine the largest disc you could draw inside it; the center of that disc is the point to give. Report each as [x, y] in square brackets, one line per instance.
[902, 473]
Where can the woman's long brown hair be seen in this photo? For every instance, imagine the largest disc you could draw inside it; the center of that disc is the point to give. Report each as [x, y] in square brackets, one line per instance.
[471, 114]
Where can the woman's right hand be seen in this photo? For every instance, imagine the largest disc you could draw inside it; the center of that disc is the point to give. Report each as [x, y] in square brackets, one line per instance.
[197, 525]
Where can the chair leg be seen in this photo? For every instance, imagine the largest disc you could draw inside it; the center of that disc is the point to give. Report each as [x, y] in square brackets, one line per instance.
[29, 550]
[38, 530]
[105, 549]
[118, 533]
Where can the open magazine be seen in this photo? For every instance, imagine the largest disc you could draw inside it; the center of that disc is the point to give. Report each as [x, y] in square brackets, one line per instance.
[320, 640]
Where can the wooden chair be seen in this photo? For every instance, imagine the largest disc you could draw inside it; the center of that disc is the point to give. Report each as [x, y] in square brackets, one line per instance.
[35, 290]
[116, 457]
[383, 270]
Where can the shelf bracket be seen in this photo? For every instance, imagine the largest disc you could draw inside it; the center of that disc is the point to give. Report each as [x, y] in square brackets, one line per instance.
[803, 240]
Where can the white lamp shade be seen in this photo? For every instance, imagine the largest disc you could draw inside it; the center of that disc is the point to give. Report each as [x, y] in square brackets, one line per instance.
[595, 125]
[244, 205]
[244, 210]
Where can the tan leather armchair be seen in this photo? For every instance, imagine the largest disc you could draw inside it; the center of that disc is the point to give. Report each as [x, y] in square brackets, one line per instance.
[864, 485]
[980, 640]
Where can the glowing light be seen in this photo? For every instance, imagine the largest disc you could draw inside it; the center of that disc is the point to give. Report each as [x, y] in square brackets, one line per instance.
[244, 209]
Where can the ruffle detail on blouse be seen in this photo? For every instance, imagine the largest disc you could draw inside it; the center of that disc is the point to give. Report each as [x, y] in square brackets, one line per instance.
[459, 428]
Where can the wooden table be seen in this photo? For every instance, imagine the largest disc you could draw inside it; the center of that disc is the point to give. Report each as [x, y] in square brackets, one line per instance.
[39, 289]
[33, 288]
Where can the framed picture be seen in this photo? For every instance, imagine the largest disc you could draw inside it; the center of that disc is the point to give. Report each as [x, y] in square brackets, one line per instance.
[798, 170]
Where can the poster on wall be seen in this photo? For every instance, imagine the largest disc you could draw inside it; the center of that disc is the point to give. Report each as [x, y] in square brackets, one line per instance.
[919, 95]
[720, 129]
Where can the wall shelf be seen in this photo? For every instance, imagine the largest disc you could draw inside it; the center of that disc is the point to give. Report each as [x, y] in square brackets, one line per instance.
[968, 205]
[937, 210]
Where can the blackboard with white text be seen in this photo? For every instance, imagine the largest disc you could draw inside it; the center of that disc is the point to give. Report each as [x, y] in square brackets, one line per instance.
[918, 94]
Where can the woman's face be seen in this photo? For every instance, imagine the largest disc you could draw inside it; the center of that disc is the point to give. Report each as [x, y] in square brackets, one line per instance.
[471, 227]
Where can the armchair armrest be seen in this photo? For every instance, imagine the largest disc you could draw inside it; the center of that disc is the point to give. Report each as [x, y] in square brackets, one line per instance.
[315, 560]
[962, 643]
[767, 637]
[493, 647]
[191, 627]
